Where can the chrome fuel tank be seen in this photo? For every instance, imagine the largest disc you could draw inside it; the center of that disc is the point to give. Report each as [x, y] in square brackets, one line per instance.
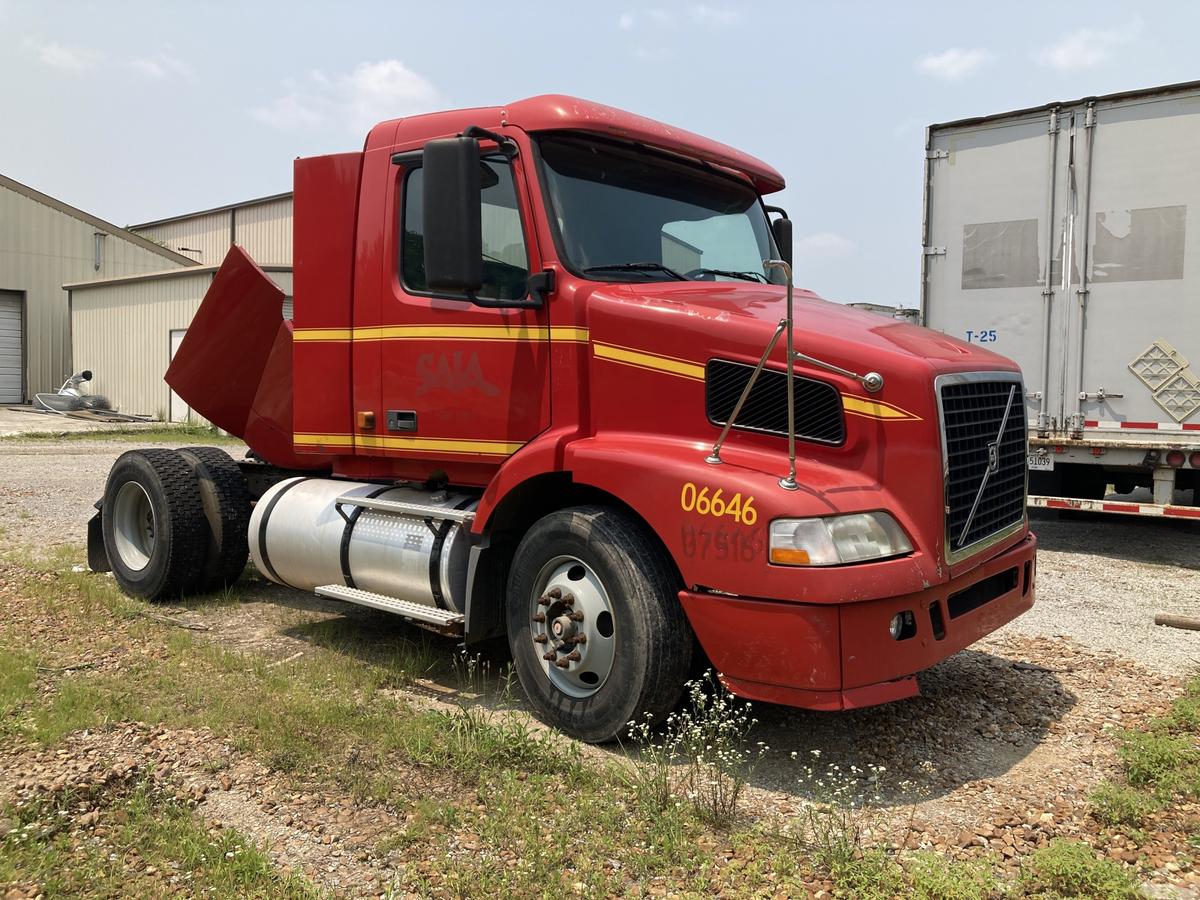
[301, 538]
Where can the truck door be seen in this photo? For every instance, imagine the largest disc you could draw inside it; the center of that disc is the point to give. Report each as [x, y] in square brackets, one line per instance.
[1135, 338]
[995, 201]
[461, 382]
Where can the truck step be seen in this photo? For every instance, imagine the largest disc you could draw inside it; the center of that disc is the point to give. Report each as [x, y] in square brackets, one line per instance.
[417, 510]
[442, 620]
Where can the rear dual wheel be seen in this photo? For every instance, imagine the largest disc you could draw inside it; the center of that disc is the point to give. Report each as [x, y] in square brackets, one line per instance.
[174, 522]
[595, 627]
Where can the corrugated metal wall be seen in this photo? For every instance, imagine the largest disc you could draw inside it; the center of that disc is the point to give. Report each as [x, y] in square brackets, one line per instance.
[263, 229]
[122, 332]
[41, 249]
[202, 238]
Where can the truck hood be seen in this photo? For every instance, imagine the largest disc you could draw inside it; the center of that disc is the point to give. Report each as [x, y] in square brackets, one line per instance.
[696, 321]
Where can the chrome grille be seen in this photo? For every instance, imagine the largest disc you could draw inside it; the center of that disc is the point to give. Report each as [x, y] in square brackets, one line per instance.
[983, 432]
[818, 404]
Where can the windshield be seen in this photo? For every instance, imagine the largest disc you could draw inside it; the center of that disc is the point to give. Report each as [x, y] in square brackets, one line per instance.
[627, 214]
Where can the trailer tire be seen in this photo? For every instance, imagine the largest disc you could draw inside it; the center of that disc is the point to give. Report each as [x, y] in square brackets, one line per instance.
[225, 498]
[153, 522]
[621, 582]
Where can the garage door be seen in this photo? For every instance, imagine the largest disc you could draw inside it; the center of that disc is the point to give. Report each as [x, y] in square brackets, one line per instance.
[10, 347]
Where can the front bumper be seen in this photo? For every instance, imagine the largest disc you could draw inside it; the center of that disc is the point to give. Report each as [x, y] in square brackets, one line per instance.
[834, 656]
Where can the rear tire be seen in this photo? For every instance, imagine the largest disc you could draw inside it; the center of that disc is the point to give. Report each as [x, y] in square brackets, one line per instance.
[155, 533]
[226, 501]
[639, 645]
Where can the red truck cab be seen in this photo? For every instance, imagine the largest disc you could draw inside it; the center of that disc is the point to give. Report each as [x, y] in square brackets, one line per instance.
[518, 334]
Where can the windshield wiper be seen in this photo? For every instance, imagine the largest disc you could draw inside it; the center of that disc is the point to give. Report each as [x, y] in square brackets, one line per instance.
[635, 267]
[744, 276]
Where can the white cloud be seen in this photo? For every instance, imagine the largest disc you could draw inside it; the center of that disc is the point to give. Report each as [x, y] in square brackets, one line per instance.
[371, 93]
[955, 63]
[61, 56]
[160, 65]
[702, 15]
[714, 16]
[1087, 47]
[824, 243]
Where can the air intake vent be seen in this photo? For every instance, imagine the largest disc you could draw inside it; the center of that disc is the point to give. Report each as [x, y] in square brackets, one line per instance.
[818, 404]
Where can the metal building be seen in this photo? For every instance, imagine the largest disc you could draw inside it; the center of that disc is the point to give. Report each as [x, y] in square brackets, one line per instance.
[126, 330]
[263, 227]
[43, 244]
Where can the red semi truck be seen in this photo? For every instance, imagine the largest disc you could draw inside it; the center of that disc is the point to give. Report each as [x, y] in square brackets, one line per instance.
[537, 384]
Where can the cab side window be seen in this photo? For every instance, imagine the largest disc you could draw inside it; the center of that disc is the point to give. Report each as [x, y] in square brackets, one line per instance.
[505, 262]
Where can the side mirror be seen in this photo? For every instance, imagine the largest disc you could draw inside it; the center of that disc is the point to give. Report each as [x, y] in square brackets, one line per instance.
[782, 229]
[451, 212]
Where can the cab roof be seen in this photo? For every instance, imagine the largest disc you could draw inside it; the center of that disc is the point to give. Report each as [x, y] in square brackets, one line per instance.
[557, 112]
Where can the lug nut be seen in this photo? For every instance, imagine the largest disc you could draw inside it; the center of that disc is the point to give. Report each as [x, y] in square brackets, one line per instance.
[568, 599]
[574, 656]
[554, 593]
[543, 601]
[580, 639]
[539, 639]
[562, 663]
[550, 656]
[539, 617]
[575, 616]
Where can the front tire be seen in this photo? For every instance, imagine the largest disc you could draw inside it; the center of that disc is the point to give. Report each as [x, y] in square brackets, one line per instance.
[155, 533]
[599, 574]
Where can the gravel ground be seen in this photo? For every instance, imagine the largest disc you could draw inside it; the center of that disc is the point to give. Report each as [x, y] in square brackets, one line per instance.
[47, 487]
[1101, 580]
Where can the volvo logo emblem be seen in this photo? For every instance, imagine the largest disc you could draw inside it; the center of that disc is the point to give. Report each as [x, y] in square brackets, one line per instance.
[993, 457]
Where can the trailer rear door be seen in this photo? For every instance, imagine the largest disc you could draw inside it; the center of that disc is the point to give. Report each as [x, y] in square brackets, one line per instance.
[990, 236]
[1138, 329]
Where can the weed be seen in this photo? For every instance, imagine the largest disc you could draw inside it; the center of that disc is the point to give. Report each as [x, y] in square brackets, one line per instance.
[1066, 868]
[936, 878]
[845, 811]
[707, 741]
[872, 875]
[1164, 763]
[1118, 805]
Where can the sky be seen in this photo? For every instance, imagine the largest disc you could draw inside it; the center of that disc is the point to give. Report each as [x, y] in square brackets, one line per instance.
[138, 111]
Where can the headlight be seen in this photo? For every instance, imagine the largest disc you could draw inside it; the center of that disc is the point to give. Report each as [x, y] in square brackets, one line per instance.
[836, 540]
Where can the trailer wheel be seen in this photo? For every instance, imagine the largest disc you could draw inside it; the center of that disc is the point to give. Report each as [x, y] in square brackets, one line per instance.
[597, 634]
[153, 522]
[226, 501]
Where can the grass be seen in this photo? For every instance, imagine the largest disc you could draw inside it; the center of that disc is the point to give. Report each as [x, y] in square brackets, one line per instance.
[153, 434]
[1069, 869]
[147, 844]
[1161, 764]
[494, 805]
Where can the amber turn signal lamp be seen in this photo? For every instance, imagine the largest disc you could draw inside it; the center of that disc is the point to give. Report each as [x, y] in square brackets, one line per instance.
[789, 556]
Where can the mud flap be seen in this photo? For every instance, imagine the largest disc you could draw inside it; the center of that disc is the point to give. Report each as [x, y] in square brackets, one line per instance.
[97, 556]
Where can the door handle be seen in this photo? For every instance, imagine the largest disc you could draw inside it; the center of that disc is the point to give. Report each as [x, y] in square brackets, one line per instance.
[401, 420]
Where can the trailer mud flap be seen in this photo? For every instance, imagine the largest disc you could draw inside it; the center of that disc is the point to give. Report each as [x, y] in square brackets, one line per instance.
[97, 556]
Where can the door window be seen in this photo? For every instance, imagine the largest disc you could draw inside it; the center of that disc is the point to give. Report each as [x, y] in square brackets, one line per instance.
[505, 262]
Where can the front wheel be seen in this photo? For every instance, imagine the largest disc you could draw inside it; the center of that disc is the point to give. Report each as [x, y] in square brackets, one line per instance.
[596, 631]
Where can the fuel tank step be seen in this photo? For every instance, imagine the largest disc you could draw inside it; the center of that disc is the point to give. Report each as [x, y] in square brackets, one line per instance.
[443, 620]
[417, 510]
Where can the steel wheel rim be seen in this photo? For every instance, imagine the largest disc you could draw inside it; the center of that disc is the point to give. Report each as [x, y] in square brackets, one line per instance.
[133, 526]
[570, 602]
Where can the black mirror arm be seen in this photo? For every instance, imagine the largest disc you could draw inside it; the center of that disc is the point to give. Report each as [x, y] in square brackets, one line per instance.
[541, 286]
[506, 144]
[776, 209]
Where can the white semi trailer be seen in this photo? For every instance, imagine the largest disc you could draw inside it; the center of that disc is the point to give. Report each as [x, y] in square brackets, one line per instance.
[1067, 237]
